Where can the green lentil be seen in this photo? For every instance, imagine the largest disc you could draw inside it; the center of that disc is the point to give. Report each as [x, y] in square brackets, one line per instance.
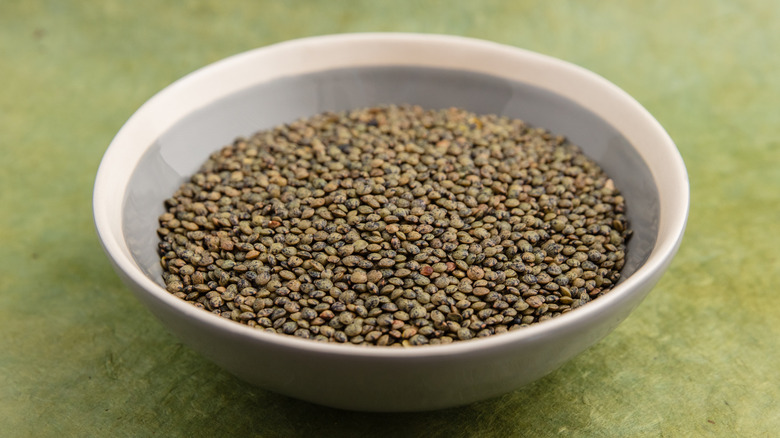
[394, 226]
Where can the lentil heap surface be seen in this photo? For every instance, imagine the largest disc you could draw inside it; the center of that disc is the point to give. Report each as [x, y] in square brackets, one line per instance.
[394, 226]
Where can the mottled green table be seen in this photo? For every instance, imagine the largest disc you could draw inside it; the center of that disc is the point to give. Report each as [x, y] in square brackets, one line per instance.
[80, 357]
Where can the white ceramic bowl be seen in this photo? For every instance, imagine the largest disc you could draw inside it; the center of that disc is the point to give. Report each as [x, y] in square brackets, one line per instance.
[172, 133]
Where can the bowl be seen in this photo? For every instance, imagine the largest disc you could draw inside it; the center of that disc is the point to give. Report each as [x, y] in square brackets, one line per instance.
[172, 133]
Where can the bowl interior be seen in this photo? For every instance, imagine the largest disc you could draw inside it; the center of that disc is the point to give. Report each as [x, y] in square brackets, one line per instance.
[180, 150]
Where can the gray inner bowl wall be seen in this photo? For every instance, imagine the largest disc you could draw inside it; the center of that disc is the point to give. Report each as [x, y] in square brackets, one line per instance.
[180, 151]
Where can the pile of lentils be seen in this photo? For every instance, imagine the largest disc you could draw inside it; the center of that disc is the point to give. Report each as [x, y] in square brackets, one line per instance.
[394, 226]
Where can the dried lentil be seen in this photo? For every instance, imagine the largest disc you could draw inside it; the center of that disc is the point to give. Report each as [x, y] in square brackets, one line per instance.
[394, 226]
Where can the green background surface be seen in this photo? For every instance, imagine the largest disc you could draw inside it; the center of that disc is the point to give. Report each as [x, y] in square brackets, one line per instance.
[79, 356]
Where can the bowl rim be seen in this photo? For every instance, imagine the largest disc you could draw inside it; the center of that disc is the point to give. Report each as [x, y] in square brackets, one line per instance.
[306, 55]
